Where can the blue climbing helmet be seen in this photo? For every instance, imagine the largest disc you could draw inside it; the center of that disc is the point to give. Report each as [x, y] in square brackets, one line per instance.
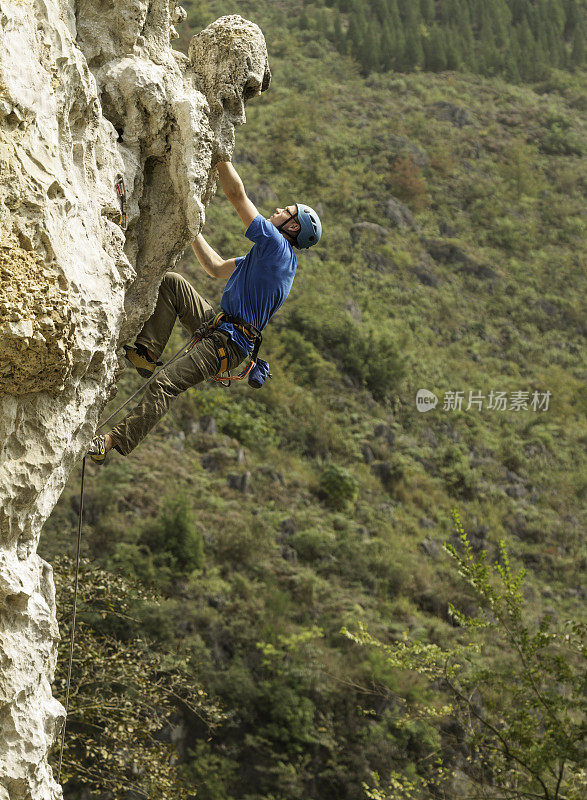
[310, 227]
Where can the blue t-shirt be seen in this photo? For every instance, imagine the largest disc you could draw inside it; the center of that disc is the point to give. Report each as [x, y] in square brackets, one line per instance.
[261, 280]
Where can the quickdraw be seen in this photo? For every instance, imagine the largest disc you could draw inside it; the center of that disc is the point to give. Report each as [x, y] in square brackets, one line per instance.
[121, 192]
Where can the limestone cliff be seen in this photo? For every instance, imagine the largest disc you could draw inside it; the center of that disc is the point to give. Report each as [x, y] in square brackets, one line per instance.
[90, 91]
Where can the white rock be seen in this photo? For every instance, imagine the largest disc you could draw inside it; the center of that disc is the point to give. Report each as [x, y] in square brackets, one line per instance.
[87, 93]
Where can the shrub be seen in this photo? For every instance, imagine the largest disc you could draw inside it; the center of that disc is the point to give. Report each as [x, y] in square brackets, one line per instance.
[174, 537]
[240, 417]
[523, 715]
[313, 544]
[371, 359]
[560, 139]
[304, 360]
[460, 480]
[406, 183]
[338, 487]
[252, 427]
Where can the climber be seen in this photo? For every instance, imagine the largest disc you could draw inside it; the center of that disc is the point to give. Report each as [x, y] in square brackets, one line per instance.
[258, 283]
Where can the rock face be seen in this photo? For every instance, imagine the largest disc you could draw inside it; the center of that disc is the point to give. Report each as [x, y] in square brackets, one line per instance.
[90, 92]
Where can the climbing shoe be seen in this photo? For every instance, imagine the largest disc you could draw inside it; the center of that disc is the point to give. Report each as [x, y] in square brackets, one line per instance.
[141, 360]
[97, 451]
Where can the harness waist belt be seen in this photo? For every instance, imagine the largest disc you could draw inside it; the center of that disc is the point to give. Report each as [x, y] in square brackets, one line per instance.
[249, 331]
[242, 325]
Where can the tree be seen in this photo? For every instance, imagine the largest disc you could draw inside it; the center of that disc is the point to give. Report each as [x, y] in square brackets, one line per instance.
[435, 49]
[399, 49]
[338, 34]
[124, 691]
[393, 14]
[501, 20]
[406, 182]
[174, 537]
[414, 53]
[427, 10]
[512, 73]
[517, 686]
[527, 47]
[388, 47]
[453, 56]
[356, 34]
[578, 51]
[519, 10]
[572, 18]
[369, 53]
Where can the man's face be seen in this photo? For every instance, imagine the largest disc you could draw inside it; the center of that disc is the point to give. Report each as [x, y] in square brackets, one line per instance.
[287, 215]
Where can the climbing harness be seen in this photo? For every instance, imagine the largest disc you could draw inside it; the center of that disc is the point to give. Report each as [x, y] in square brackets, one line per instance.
[121, 192]
[79, 539]
[251, 333]
[203, 331]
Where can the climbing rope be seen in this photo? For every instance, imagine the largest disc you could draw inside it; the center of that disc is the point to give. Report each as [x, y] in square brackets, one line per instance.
[198, 336]
[79, 539]
[185, 347]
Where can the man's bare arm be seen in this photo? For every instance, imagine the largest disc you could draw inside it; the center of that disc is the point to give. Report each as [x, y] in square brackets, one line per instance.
[210, 260]
[234, 189]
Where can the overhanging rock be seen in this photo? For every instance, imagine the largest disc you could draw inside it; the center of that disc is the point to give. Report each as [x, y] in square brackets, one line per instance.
[89, 91]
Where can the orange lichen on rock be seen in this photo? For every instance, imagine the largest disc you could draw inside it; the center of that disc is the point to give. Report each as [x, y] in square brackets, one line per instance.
[36, 324]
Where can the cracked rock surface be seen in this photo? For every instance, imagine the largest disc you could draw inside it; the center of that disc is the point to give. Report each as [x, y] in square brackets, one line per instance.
[90, 91]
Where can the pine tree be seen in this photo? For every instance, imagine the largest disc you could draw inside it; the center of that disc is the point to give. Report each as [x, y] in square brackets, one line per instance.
[453, 57]
[488, 53]
[512, 73]
[501, 22]
[572, 18]
[518, 8]
[435, 50]
[578, 51]
[410, 14]
[556, 17]
[393, 14]
[321, 23]
[369, 52]
[527, 50]
[541, 66]
[512, 61]
[463, 23]
[399, 52]
[388, 46]
[427, 10]
[338, 34]
[520, 39]
[380, 9]
[356, 34]
[452, 11]
[414, 53]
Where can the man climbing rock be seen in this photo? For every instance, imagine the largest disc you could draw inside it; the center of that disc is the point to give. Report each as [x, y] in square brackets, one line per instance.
[257, 285]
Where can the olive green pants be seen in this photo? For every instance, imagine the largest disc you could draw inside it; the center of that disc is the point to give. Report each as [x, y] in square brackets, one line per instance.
[176, 299]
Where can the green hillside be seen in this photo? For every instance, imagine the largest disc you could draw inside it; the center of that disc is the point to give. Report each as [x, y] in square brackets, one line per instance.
[453, 261]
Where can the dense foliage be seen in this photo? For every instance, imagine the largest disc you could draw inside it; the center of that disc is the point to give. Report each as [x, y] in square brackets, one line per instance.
[451, 261]
[125, 692]
[524, 710]
[519, 39]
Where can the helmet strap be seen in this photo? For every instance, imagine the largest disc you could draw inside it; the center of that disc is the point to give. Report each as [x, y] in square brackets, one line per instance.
[289, 236]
